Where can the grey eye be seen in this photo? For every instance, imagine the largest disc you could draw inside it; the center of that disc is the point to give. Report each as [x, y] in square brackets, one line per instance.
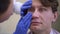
[31, 9]
[42, 9]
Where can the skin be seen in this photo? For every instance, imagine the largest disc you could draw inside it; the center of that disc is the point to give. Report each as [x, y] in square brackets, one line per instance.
[8, 13]
[42, 18]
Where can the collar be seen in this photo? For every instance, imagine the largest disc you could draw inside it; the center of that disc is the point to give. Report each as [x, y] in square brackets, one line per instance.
[51, 31]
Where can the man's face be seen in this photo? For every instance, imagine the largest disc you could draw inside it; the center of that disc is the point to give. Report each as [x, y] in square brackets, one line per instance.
[42, 17]
[8, 12]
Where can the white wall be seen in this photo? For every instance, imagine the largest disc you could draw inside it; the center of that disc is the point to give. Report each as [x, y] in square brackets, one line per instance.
[8, 27]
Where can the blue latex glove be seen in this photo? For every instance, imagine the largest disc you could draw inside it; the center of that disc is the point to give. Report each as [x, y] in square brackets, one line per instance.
[23, 25]
[25, 6]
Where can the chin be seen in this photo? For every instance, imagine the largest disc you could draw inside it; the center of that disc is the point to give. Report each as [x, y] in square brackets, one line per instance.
[34, 28]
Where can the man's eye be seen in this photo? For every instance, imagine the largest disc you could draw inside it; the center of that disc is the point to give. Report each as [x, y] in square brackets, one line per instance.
[31, 9]
[42, 9]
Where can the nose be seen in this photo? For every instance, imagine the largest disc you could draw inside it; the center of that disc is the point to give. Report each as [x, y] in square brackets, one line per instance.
[35, 14]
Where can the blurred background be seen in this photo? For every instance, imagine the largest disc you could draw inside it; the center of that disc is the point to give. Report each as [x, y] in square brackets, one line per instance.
[9, 26]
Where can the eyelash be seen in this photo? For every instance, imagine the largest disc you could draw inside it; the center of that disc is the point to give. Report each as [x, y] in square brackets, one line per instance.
[40, 9]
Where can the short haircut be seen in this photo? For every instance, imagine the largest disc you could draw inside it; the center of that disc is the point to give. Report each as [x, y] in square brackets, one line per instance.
[4, 4]
[50, 3]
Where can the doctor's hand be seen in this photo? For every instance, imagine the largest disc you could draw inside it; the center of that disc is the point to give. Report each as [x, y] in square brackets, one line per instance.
[25, 7]
[24, 24]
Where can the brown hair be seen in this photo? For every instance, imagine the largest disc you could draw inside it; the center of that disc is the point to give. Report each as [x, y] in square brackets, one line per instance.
[52, 3]
[4, 4]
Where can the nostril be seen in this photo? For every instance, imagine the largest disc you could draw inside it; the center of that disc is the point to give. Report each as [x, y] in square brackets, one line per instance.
[35, 15]
[33, 18]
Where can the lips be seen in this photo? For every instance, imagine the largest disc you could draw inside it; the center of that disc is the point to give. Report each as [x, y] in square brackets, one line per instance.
[35, 23]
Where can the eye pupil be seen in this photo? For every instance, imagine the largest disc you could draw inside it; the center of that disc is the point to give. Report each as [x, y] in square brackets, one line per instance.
[39, 9]
[42, 9]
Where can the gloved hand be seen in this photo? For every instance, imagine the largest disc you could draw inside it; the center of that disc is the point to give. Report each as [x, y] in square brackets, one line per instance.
[25, 6]
[24, 23]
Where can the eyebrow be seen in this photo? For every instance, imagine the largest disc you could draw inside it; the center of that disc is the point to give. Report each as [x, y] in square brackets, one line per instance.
[40, 7]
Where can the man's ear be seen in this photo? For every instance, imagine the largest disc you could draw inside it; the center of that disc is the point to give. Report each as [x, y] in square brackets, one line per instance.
[55, 16]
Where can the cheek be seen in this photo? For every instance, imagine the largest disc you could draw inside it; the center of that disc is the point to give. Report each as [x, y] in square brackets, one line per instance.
[47, 19]
[48, 16]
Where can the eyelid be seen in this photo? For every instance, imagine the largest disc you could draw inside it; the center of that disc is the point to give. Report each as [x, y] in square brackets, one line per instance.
[43, 8]
[31, 9]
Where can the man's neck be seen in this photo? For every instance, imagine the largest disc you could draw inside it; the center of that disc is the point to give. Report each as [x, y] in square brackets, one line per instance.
[42, 32]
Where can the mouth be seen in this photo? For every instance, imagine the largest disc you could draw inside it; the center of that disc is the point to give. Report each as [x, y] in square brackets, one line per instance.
[36, 23]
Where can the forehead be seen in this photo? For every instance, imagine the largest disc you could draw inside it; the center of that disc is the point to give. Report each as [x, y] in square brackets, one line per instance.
[36, 3]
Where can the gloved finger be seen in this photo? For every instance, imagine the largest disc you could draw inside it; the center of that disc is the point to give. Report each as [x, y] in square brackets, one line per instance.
[29, 18]
[26, 17]
[26, 5]
[20, 20]
[27, 24]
